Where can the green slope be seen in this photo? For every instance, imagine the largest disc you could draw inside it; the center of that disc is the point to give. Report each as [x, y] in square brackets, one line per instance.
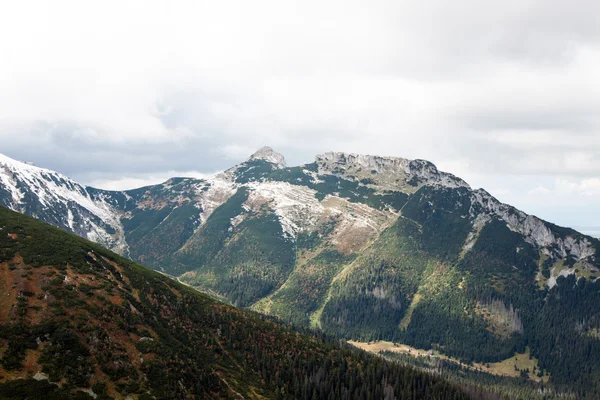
[415, 283]
[245, 262]
[75, 314]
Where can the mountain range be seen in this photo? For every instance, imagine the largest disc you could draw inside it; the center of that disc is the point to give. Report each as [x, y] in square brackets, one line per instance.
[363, 247]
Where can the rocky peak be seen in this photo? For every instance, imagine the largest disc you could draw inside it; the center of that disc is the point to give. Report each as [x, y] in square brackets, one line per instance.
[428, 173]
[382, 165]
[375, 167]
[269, 155]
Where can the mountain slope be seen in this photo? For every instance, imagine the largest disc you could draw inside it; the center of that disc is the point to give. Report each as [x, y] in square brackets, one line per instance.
[365, 247]
[100, 326]
[60, 201]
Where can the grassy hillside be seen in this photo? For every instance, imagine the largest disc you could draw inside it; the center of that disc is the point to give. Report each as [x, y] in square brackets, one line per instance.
[77, 320]
[416, 285]
[245, 262]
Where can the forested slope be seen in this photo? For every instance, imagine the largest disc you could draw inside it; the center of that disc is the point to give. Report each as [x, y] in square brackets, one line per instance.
[78, 321]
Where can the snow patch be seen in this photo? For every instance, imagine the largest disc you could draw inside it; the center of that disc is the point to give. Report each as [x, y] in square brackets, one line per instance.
[54, 190]
[478, 225]
[235, 221]
[298, 210]
[565, 272]
[220, 189]
[296, 206]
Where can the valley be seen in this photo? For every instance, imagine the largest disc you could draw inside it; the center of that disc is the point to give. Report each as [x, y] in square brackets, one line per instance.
[511, 367]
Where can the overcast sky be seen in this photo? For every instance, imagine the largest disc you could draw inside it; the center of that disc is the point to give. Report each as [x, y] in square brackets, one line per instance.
[505, 94]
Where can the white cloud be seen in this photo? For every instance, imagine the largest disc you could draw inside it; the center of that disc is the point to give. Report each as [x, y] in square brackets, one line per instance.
[575, 190]
[586, 187]
[494, 94]
[540, 191]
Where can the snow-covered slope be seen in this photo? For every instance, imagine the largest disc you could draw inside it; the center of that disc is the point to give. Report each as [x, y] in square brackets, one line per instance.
[58, 200]
[299, 210]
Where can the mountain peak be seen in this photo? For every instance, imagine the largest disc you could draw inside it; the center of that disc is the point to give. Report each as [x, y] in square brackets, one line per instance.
[416, 171]
[267, 154]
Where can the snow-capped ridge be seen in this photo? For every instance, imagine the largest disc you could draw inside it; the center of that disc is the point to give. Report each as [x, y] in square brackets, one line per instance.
[50, 192]
[22, 165]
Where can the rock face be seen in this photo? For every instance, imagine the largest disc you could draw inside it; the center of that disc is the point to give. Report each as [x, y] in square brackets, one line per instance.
[538, 232]
[269, 155]
[328, 162]
[391, 173]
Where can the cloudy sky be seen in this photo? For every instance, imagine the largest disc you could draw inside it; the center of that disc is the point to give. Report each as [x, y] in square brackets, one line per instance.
[505, 94]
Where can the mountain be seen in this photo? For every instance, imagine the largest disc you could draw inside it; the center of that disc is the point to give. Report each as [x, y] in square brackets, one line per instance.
[364, 247]
[78, 321]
